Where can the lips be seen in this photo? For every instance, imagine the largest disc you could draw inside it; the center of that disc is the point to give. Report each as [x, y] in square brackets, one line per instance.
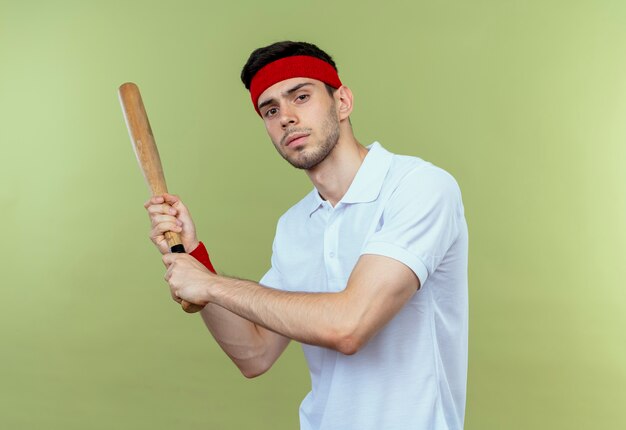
[294, 137]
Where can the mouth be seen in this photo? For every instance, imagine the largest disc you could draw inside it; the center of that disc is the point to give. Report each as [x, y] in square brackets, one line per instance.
[295, 139]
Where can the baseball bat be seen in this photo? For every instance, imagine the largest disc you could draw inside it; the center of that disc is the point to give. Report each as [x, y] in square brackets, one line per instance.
[147, 155]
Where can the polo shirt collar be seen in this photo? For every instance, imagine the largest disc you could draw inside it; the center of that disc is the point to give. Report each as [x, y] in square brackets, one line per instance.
[367, 182]
[315, 200]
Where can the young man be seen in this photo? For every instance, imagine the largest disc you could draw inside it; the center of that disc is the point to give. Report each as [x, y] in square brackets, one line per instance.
[369, 270]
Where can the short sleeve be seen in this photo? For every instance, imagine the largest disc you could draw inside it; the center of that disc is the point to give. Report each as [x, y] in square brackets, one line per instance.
[272, 277]
[420, 221]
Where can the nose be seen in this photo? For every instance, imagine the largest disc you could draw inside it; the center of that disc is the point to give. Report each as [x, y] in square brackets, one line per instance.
[287, 116]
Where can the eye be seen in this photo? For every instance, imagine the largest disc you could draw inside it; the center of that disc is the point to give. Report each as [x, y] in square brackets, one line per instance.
[302, 98]
[270, 112]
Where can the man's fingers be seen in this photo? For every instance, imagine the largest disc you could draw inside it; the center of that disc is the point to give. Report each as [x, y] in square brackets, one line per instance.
[171, 198]
[168, 259]
[164, 219]
[176, 298]
[168, 275]
[154, 200]
[176, 202]
[157, 209]
[158, 231]
[161, 226]
[177, 266]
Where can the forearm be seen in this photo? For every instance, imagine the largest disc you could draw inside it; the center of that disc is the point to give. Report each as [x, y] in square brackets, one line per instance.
[250, 347]
[377, 289]
[322, 319]
[240, 339]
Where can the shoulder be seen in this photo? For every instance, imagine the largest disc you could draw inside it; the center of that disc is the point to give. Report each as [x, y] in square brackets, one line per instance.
[413, 177]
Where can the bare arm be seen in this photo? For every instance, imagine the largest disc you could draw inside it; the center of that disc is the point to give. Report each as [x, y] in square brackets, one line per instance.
[377, 289]
[251, 347]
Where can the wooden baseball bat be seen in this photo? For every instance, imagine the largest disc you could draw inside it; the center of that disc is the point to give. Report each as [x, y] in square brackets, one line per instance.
[147, 154]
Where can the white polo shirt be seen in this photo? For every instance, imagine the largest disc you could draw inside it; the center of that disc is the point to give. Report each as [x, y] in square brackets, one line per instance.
[412, 374]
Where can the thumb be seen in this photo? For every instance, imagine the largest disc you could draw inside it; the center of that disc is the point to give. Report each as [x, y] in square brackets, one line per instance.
[171, 199]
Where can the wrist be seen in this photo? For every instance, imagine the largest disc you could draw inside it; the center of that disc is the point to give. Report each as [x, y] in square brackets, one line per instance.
[211, 288]
[191, 246]
[200, 253]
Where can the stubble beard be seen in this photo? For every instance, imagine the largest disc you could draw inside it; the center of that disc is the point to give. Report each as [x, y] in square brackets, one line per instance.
[308, 157]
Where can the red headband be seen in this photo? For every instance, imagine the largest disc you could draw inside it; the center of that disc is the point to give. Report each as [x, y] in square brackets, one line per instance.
[297, 66]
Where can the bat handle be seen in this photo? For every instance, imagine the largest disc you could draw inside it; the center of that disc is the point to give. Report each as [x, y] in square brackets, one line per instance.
[178, 249]
[174, 242]
[190, 308]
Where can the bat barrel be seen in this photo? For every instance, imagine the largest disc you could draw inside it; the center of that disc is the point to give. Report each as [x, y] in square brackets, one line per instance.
[145, 148]
[142, 138]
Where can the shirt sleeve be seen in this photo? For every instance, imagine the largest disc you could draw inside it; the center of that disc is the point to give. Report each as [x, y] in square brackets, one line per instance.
[273, 277]
[420, 221]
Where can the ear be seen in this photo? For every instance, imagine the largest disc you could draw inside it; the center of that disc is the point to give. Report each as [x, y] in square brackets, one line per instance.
[344, 99]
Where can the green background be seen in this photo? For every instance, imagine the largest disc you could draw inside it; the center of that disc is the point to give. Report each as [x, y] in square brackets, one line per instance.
[523, 102]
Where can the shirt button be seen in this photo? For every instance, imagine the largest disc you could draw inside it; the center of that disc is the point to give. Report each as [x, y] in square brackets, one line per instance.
[332, 254]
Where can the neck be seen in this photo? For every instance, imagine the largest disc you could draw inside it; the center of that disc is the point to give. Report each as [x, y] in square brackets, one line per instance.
[333, 176]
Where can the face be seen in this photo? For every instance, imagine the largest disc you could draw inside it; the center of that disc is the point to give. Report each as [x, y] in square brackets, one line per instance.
[301, 120]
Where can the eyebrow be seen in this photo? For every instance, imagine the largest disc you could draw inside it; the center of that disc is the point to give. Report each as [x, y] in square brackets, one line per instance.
[284, 94]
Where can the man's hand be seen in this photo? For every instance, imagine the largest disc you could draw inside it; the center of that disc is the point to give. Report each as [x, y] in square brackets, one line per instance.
[189, 280]
[168, 213]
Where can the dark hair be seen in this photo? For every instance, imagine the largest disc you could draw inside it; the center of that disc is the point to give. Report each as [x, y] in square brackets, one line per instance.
[267, 54]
